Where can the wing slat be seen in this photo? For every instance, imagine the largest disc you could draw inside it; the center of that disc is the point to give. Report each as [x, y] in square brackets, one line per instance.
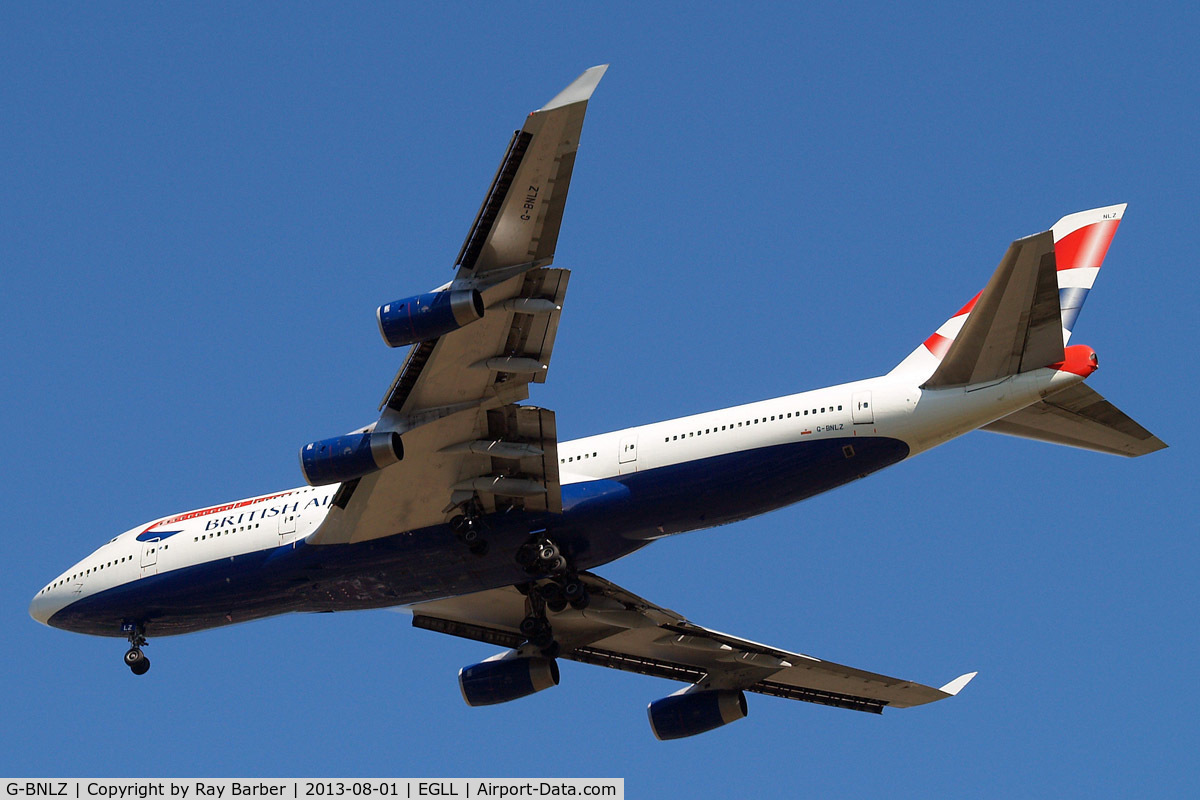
[493, 201]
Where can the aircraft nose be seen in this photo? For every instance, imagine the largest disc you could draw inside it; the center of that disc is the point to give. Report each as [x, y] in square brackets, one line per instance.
[40, 608]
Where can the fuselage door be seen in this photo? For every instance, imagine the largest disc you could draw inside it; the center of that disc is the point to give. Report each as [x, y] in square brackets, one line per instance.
[287, 525]
[627, 457]
[150, 556]
[860, 403]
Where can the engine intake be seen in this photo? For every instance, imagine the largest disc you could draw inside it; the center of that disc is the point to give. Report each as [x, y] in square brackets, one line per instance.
[344, 458]
[695, 712]
[506, 679]
[427, 316]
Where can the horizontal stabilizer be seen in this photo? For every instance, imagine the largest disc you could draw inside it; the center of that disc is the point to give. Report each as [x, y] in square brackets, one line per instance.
[1079, 417]
[1015, 325]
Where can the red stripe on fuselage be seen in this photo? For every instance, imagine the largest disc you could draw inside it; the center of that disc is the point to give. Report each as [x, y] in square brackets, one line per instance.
[214, 510]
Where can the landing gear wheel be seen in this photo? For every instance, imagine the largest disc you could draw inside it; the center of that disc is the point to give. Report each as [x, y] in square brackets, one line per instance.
[468, 528]
[531, 625]
[480, 549]
[136, 660]
[580, 602]
[576, 593]
[543, 638]
[552, 593]
[552, 650]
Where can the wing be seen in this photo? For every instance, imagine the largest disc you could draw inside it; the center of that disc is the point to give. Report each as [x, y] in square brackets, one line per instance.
[620, 630]
[454, 399]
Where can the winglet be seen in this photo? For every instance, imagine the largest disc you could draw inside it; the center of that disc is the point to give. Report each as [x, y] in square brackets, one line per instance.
[580, 89]
[955, 686]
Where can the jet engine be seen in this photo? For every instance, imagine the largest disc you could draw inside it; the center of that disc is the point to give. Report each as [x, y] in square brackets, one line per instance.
[427, 316]
[504, 679]
[344, 458]
[695, 711]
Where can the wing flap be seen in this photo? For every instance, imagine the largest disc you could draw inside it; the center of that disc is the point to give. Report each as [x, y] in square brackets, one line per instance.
[1079, 417]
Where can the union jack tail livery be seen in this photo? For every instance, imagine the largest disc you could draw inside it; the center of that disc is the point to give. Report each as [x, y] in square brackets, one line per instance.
[1077, 244]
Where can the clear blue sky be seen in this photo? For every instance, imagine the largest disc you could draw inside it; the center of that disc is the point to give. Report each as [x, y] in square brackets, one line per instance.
[201, 207]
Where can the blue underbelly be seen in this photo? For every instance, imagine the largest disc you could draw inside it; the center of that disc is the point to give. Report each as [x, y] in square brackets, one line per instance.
[602, 520]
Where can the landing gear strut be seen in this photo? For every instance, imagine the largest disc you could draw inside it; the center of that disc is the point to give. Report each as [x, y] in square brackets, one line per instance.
[135, 659]
[536, 628]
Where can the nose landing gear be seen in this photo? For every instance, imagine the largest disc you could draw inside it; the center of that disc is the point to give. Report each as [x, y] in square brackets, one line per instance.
[135, 659]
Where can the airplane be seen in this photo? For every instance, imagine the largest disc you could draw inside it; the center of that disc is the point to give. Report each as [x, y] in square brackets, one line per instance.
[460, 503]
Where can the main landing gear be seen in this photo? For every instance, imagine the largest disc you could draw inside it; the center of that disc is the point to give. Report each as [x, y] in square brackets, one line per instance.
[135, 659]
[541, 556]
[468, 529]
[554, 596]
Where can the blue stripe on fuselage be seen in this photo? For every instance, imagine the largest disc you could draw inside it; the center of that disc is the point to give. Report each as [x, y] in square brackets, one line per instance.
[602, 520]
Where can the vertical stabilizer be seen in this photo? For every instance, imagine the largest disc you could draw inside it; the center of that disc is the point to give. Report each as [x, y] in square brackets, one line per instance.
[1080, 242]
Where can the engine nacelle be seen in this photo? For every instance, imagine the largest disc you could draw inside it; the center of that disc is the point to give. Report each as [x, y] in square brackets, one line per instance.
[344, 458]
[506, 679]
[427, 316]
[695, 712]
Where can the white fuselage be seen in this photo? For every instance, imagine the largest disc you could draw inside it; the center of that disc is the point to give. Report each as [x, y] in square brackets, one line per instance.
[888, 406]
